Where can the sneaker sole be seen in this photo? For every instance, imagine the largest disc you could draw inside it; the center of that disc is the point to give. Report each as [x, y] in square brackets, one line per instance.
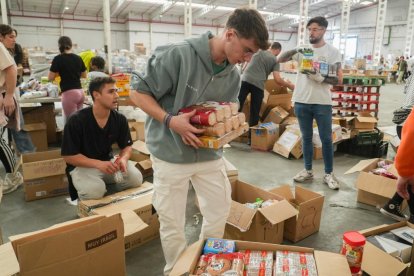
[303, 181]
[391, 215]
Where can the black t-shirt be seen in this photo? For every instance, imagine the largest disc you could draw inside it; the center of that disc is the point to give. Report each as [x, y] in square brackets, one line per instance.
[70, 68]
[83, 135]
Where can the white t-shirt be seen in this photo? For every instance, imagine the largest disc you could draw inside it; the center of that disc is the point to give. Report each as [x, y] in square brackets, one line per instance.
[308, 91]
[6, 60]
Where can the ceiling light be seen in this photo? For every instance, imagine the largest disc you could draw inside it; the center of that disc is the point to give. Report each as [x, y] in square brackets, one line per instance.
[365, 3]
[66, 8]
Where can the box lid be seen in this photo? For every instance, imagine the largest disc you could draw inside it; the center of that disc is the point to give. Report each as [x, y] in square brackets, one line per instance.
[240, 216]
[361, 165]
[141, 147]
[186, 259]
[364, 119]
[326, 261]
[132, 223]
[377, 262]
[270, 126]
[8, 260]
[278, 212]
[284, 191]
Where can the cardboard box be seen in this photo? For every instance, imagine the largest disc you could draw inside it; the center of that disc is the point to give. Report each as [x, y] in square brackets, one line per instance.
[377, 262]
[336, 135]
[45, 187]
[140, 129]
[282, 100]
[145, 167]
[365, 121]
[288, 122]
[264, 136]
[137, 203]
[309, 205]
[373, 189]
[219, 142]
[261, 225]
[139, 152]
[276, 115]
[42, 114]
[327, 263]
[94, 246]
[273, 88]
[42, 164]
[289, 143]
[38, 134]
[317, 153]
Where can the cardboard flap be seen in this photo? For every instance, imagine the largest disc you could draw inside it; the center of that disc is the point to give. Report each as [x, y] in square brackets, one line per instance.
[374, 256]
[185, 261]
[278, 212]
[141, 147]
[240, 216]
[283, 191]
[34, 127]
[132, 223]
[360, 166]
[8, 260]
[383, 186]
[373, 230]
[145, 164]
[327, 262]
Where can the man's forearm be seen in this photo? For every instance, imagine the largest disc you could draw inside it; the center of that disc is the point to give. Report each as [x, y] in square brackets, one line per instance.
[331, 80]
[126, 153]
[286, 56]
[80, 160]
[148, 104]
[10, 81]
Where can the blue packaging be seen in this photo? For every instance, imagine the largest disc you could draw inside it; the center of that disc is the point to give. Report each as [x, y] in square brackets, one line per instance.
[217, 246]
[323, 68]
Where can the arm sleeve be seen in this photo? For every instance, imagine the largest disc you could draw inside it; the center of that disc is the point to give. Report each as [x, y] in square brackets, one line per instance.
[6, 60]
[83, 67]
[161, 74]
[124, 137]
[404, 161]
[55, 65]
[71, 138]
[276, 67]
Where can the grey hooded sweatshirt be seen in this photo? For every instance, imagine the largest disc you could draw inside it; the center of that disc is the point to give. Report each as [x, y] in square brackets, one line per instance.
[179, 75]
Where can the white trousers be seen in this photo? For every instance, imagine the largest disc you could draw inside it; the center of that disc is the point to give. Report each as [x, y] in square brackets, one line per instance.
[171, 183]
[92, 183]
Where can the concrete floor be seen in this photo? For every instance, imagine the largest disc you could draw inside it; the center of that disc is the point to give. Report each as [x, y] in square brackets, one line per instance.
[267, 170]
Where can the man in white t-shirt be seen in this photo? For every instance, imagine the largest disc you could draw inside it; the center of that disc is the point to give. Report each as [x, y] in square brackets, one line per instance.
[312, 98]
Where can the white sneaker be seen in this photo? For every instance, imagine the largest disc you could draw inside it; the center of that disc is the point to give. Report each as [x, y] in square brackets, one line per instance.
[331, 180]
[303, 175]
[12, 181]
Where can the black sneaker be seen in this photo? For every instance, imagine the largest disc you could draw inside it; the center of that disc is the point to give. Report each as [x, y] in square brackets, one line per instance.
[394, 211]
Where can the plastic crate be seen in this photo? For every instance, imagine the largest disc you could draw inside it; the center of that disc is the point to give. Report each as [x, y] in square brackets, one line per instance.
[371, 151]
[368, 138]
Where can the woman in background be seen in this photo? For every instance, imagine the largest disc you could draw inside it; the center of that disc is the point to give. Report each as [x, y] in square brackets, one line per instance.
[71, 69]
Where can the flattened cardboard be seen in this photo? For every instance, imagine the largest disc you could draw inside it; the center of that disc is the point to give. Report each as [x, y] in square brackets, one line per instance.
[42, 164]
[93, 247]
[309, 206]
[325, 261]
[219, 142]
[8, 260]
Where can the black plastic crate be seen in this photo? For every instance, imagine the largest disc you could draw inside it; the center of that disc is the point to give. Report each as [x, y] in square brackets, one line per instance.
[371, 151]
[368, 138]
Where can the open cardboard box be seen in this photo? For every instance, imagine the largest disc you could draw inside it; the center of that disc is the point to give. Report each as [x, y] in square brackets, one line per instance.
[88, 246]
[262, 225]
[327, 263]
[365, 121]
[137, 201]
[373, 189]
[377, 262]
[289, 143]
[141, 156]
[309, 205]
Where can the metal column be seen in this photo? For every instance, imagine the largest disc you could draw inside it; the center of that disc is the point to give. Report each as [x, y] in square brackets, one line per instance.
[4, 12]
[188, 18]
[303, 18]
[410, 29]
[107, 34]
[253, 4]
[379, 30]
[346, 10]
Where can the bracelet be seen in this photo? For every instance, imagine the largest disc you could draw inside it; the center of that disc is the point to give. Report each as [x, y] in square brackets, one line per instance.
[167, 119]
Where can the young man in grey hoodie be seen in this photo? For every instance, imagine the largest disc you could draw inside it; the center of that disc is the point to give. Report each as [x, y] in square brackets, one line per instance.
[179, 75]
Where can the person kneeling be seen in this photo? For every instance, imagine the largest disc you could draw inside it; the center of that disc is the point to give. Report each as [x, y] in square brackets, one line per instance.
[87, 146]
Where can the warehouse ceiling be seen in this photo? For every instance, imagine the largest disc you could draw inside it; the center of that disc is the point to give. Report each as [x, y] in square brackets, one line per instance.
[213, 12]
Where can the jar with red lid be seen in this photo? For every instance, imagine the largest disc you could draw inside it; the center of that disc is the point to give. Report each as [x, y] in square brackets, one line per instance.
[353, 249]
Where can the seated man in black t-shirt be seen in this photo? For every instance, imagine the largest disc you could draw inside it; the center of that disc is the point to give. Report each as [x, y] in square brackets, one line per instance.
[87, 145]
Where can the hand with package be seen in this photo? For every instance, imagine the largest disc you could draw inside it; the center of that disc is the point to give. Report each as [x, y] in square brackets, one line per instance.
[181, 125]
[315, 76]
[304, 49]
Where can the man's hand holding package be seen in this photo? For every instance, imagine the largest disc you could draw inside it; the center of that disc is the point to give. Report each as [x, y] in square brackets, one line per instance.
[315, 76]
[181, 124]
[8, 104]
